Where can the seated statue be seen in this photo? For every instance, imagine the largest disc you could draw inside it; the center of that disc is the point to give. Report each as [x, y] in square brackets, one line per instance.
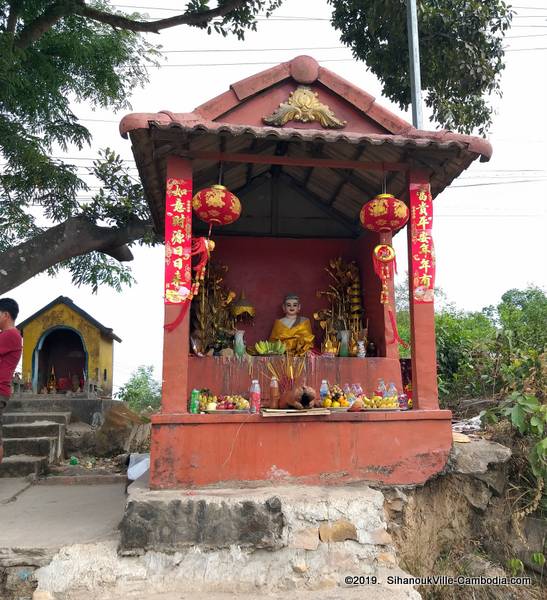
[294, 331]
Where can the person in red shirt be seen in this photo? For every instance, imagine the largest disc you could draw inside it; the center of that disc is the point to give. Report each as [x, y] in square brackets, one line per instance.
[10, 353]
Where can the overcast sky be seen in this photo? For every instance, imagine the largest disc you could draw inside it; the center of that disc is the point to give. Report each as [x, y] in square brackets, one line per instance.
[490, 226]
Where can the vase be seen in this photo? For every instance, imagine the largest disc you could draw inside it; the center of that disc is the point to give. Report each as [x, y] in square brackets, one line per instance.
[344, 342]
[239, 343]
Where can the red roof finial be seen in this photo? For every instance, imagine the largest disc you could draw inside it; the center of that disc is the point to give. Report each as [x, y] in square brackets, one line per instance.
[304, 69]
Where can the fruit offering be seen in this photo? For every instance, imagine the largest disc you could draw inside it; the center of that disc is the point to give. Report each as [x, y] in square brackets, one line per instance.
[265, 348]
[235, 402]
[209, 402]
[389, 402]
[335, 398]
[206, 398]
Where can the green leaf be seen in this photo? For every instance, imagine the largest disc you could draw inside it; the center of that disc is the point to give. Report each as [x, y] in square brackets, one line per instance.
[538, 558]
[516, 566]
[518, 418]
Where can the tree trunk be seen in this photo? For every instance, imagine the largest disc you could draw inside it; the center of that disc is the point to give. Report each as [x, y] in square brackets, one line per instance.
[74, 237]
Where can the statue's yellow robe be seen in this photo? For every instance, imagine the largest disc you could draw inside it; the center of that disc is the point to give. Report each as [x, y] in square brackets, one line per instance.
[298, 339]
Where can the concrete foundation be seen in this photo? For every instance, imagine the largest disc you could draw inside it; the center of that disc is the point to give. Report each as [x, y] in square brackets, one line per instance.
[261, 541]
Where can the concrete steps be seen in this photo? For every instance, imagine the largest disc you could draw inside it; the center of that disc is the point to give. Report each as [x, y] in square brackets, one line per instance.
[37, 446]
[42, 428]
[33, 439]
[22, 465]
[31, 417]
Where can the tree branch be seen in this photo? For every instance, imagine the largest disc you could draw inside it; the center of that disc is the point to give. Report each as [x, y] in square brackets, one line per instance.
[74, 237]
[36, 29]
[11, 23]
[192, 18]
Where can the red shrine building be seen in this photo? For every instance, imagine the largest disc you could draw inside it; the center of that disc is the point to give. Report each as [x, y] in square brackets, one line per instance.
[303, 150]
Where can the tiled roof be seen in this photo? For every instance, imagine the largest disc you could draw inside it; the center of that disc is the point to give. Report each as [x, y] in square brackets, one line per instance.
[379, 136]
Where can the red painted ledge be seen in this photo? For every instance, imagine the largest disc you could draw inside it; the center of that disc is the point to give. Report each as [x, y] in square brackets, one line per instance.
[408, 415]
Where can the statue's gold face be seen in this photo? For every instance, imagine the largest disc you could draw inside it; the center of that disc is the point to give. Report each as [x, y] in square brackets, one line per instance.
[291, 308]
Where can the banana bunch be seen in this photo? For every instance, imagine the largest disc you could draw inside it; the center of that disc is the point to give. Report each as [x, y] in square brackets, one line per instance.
[276, 347]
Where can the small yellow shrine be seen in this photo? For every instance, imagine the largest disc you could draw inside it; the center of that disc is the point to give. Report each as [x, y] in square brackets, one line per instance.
[64, 347]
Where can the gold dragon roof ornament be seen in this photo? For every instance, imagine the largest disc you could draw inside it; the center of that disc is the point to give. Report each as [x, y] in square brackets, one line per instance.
[303, 105]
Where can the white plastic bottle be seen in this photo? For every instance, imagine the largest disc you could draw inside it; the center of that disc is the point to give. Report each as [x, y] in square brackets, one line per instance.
[324, 390]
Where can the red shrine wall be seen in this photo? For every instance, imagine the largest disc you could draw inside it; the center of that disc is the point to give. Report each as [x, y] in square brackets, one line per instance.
[268, 268]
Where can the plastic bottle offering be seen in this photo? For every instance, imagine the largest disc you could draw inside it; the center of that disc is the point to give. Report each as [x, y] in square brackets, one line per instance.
[274, 392]
[381, 389]
[194, 402]
[324, 390]
[357, 389]
[254, 396]
[347, 389]
[391, 391]
[403, 401]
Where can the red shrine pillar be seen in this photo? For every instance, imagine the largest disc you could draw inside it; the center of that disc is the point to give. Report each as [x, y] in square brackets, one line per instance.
[421, 274]
[177, 271]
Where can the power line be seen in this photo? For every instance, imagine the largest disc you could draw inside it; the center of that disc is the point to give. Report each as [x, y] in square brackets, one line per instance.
[529, 35]
[530, 7]
[497, 183]
[523, 49]
[222, 50]
[240, 64]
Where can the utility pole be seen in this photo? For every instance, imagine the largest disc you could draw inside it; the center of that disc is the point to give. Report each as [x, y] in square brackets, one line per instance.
[414, 56]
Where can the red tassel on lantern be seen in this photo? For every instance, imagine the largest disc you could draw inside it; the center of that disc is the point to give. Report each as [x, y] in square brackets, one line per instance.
[385, 266]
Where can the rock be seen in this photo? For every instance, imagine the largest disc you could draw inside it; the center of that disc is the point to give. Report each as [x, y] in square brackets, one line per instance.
[122, 431]
[38, 595]
[339, 531]
[387, 558]
[378, 537]
[299, 567]
[170, 526]
[395, 505]
[305, 539]
[79, 439]
[476, 457]
[17, 582]
[495, 479]
[476, 565]
[534, 531]
[477, 493]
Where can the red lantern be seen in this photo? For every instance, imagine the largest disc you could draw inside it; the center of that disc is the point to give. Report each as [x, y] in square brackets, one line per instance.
[216, 205]
[384, 213]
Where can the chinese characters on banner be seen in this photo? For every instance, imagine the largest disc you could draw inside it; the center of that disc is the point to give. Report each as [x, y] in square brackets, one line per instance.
[423, 251]
[178, 240]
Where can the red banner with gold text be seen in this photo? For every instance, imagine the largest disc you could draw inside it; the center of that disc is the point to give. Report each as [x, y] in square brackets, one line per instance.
[423, 251]
[178, 240]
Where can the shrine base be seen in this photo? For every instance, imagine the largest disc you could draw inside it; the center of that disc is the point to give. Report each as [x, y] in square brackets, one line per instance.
[398, 448]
